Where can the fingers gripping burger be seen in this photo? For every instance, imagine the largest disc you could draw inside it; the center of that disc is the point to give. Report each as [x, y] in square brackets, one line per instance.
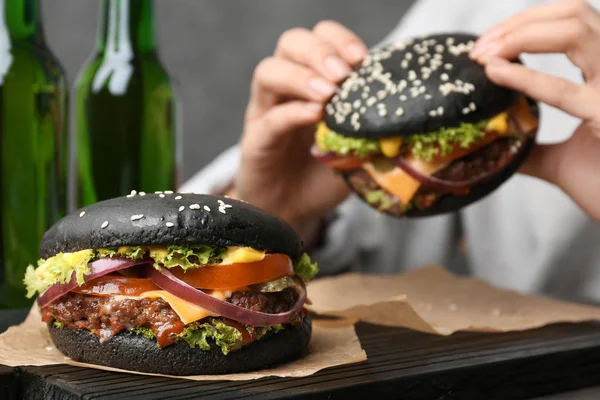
[179, 284]
[418, 129]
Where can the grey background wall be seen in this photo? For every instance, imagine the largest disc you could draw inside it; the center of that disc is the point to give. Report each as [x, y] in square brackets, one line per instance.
[211, 48]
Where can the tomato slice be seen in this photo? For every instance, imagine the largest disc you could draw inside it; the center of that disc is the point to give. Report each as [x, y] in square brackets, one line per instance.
[348, 163]
[220, 277]
[228, 276]
[110, 285]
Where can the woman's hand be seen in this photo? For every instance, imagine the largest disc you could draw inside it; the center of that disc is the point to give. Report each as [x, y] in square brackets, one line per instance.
[288, 94]
[571, 27]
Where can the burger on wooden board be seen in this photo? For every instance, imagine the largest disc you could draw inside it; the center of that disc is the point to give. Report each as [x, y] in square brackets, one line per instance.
[179, 284]
[419, 130]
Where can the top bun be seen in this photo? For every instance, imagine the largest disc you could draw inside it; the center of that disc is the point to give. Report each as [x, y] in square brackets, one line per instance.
[414, 86]
[162, 219]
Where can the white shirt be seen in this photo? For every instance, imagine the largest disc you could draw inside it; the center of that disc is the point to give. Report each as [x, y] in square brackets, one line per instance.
[526, 236]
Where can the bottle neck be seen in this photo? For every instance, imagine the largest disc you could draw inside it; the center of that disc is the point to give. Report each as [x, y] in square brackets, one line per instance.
[126, 26]
[21, 19]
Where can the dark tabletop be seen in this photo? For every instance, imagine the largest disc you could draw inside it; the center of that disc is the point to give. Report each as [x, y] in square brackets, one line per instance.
[401, 364]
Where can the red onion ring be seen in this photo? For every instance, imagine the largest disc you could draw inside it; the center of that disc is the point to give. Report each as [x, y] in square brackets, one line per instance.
[98, 268]
[442, 184]
[167, 281]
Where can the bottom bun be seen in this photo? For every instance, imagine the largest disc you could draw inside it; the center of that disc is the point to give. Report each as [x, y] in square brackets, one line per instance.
[133, 352]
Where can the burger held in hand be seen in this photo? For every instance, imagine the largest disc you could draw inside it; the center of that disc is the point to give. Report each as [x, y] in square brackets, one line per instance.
[419, 130]
[179, 284]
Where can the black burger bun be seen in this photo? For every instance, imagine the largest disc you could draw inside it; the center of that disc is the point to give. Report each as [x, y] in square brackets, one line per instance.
[132, 352]
[415, 86]
[161, 219]
[422, 85]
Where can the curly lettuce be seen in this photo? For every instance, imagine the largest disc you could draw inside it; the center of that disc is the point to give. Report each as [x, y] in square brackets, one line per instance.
[426, 146]
[198, 334]
[57, 269]
[330, 141]
[131, 252]
[379, 199]
[277, 285]
[226, 337]
[187, 257]
[305, 268]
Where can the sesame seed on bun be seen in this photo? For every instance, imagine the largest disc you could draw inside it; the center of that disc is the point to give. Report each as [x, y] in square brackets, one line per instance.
[170, 219]
[414, 86]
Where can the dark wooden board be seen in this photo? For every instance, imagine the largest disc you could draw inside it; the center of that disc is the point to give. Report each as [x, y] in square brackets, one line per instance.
[402, 364]
[6, 381]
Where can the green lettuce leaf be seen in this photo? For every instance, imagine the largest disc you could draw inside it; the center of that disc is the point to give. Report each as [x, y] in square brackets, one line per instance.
[277, 285]
[305, 269]
[441, 143]
[131, 252]
[57, 269]
[379, 199]
[226, 337]
[197, 334]
[336, 143]
[140, 330]
[187, 257]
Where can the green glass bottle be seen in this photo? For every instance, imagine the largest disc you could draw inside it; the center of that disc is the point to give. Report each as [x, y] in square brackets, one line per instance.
[125, 110]
[33, 143]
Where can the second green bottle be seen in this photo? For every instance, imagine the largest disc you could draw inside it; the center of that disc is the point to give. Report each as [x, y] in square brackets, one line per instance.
[126, 115]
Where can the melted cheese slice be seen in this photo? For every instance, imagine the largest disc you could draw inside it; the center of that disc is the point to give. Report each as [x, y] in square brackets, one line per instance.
[395, 180]
[498, 124]
[235, 255]
[322, 131]
[187, 311]
[521, 111]
[390, 147]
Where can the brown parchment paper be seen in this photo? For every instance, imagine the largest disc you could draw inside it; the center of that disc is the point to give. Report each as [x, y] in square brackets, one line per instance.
[29, 344]
[428, 299]
[432, 300]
